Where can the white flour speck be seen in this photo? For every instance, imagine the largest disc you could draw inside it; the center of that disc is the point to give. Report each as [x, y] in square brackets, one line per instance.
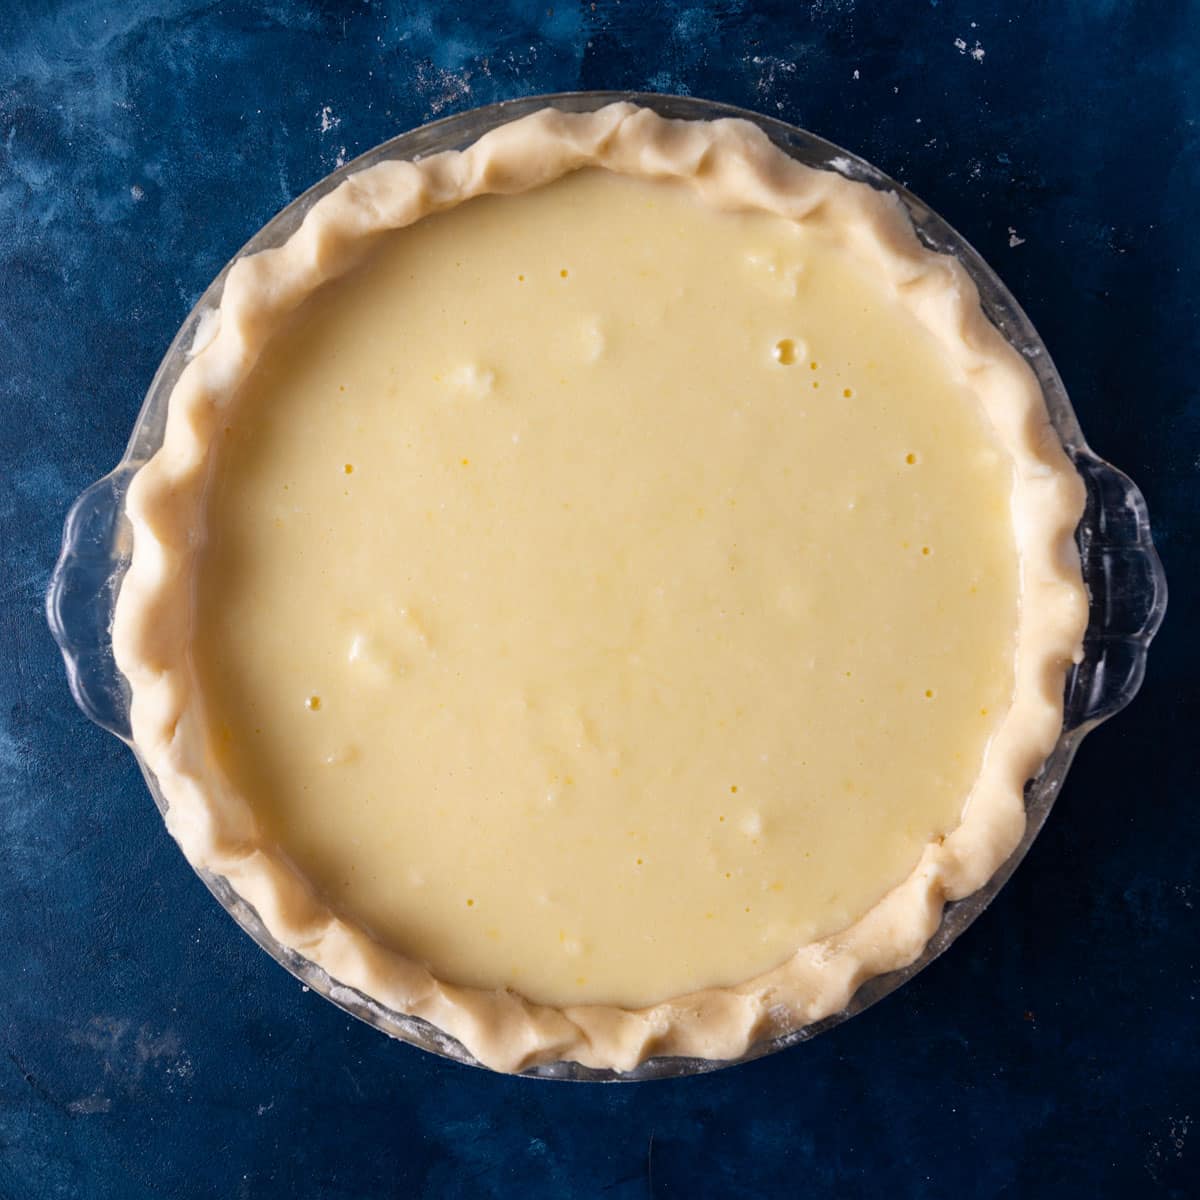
[976, 52]
[328, 119]
[137, 192]
[1013, 240]
[856, 74]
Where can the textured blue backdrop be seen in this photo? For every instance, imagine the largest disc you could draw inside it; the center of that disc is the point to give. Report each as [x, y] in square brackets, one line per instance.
[150, 1050]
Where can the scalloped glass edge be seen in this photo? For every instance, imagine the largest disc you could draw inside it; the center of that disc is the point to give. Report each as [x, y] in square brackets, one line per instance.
[1124, 577]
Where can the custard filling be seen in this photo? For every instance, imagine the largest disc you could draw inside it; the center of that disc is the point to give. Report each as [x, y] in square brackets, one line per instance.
[605, 595]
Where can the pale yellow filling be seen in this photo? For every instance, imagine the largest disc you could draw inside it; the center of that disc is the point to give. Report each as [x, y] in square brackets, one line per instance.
[604, 595]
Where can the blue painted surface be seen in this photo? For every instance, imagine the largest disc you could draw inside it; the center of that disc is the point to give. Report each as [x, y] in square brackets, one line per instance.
[150, 1050]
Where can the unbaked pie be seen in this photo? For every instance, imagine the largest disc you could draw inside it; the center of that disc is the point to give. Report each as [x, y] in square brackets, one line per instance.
[602, 591]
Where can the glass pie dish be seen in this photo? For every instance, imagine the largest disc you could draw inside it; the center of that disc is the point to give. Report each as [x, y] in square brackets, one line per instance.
[1124, 578]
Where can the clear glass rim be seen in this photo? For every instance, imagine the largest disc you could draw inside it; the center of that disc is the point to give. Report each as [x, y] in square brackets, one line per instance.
[1116, 528]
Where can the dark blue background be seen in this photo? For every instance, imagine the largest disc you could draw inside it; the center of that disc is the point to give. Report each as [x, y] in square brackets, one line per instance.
[150, 1050]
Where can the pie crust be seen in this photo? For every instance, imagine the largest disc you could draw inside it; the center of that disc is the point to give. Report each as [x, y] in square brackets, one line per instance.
[730, 165]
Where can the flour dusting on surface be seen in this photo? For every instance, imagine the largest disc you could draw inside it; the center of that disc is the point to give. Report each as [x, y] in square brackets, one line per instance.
[1013, 240]
[440, 88]
[1171, 1146]
[976, 52]
[770, 68]
[124, 1056]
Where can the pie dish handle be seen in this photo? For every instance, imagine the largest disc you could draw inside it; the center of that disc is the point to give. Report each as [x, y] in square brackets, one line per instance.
[96, 548]
[1127, 591]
